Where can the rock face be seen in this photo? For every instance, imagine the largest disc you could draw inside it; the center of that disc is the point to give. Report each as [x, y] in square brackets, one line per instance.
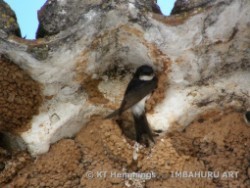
[202, 60]
[182, 6]
[8, 22]
[66, 13]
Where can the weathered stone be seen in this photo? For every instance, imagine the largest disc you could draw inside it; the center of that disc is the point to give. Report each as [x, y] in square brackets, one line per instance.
[57, 15]
[8, 21]
[181, 6]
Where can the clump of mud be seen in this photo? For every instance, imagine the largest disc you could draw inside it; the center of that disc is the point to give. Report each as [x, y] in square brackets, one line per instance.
[100, 155]
[20, 97]
[11, 164]
[59, 168]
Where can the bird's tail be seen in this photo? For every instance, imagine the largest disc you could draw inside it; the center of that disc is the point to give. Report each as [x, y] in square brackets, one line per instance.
[118, 111]
[113, 114]
[142, 128]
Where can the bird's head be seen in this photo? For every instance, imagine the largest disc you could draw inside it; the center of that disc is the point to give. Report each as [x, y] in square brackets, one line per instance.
[144, 73]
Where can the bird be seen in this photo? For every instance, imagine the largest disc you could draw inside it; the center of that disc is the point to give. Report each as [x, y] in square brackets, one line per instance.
[139, 89]
[247, 117]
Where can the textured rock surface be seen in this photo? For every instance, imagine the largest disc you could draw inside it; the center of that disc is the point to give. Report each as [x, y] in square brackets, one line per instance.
[210, 69]
[66, 13]
[182, 6]
[202, 59]
[8, 22]
[219, 142]
[78, 73]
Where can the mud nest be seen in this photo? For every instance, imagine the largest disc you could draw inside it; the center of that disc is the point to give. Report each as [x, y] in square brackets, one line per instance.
[20, 97]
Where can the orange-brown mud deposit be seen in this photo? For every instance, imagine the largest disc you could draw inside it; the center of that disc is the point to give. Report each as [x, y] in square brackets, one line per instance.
[20, 97]
[217, 143]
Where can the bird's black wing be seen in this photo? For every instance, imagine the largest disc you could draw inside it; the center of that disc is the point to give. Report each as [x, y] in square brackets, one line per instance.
[134, 95]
